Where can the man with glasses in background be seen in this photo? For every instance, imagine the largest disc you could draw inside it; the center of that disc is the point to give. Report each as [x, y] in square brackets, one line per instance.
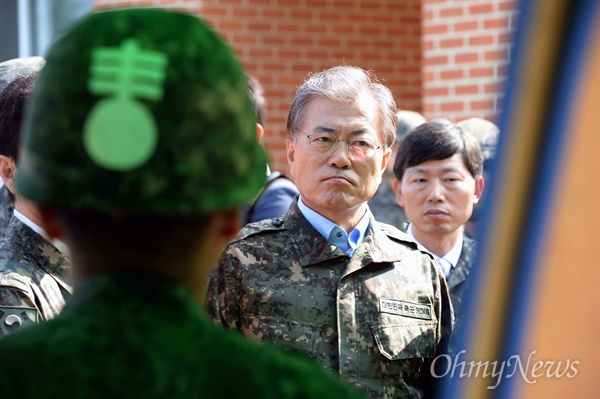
[327, 279]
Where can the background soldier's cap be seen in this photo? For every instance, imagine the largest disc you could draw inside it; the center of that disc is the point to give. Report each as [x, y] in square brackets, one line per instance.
[10, 69]
[141, 111]
[407, 121]
[485, 132]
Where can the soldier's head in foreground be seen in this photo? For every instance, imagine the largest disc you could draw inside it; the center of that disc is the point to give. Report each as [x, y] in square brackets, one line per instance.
[141, 137]
[140, 146]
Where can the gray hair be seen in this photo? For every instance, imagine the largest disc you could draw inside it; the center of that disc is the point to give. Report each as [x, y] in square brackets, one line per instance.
[344, 84]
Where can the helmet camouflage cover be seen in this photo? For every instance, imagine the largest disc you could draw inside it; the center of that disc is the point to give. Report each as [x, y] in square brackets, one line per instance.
[141, 110]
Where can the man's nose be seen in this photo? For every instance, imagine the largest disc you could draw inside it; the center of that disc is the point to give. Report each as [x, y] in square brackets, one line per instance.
[341, 156]
[436, 192]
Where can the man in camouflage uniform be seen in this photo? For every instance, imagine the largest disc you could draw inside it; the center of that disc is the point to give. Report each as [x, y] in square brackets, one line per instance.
[487, 134]
[34, 273]
[327, 279]
[143, 149]
[384, 204]
[9, 70]
[439, 179]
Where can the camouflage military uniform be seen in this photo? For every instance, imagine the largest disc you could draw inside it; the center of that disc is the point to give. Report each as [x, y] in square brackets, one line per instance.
[385, 208]
[378, 318]
[33, 278]
[457, 282]
[7, 207]
[127, 322]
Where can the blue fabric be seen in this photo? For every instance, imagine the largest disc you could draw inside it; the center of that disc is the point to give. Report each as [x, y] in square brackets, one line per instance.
[334, 233]
[274, 200]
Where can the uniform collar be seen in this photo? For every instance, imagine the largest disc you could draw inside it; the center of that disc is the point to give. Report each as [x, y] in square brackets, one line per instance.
[28, 222]
[60, 245]
[334, 233]
[448, 261]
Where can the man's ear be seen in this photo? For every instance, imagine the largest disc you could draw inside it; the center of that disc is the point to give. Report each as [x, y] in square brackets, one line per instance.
[260, 132]
[479, 185]
[385, 160]
[398, 192]
[51, 224]
[7, 171]
[291, 149]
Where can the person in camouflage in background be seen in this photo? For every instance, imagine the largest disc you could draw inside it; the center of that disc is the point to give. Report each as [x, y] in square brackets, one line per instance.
[487, 134]
[328, 280]
[142, 152]
[384, 204]
[34, 272]
[9, 70]
[439, 179]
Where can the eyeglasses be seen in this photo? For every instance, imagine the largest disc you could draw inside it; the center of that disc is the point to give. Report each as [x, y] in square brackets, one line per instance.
[361, 149]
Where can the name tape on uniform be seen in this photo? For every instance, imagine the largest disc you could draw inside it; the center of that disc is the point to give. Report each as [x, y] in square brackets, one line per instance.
[404, 308]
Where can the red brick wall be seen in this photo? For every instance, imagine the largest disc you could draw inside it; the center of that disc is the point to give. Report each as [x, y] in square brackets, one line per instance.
[440, 57]
[281, 41]
[466, 49]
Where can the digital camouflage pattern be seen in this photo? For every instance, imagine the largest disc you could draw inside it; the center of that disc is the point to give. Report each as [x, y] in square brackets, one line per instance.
[378, 318]
[7, 207]
[182, 78]
[10, 69]
[139, 335]
[123, 322]
[458, 284]
[34, 275]
[385, 208]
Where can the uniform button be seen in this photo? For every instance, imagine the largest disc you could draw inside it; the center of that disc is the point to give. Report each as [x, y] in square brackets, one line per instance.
[339, 234]
[277, 222]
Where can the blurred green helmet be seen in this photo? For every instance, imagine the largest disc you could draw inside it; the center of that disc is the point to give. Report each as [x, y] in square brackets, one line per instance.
[141, 111]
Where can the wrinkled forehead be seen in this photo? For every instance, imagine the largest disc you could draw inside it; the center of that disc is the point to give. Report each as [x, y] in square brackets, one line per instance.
[359, 116]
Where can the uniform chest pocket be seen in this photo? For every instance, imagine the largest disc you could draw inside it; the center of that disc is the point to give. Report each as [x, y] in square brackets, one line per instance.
[405, 340]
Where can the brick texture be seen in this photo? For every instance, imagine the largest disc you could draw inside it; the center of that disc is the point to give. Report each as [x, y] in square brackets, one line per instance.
[281, 41]
[466, 48]
[440, 57]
